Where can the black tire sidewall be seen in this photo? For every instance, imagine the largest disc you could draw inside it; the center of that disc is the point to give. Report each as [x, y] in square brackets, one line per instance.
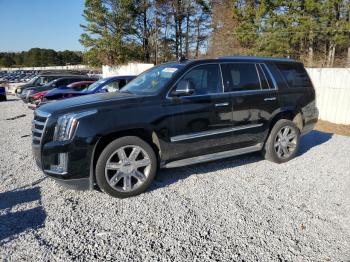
[111, 148]
[270, 152]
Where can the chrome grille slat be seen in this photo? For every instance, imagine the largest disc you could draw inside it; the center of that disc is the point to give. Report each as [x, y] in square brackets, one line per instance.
[37, 131]
[38, 126]
[38, 123]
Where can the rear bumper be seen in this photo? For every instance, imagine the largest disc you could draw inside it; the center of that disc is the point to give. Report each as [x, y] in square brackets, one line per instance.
[310, 120]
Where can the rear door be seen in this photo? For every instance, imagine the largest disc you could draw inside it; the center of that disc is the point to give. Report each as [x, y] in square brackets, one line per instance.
[254, 101]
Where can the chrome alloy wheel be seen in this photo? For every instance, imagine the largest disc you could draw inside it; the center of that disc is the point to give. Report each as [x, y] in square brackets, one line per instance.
[285, 142]
[127, 168]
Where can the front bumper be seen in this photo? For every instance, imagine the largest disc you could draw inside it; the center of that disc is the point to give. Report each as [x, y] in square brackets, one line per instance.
[77, 174]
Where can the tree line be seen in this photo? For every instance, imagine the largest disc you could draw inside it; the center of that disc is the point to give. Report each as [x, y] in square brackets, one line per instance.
[316, 32]
[117, 31]
[40, 57]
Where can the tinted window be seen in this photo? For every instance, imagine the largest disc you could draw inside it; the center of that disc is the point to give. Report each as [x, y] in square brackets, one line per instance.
[295, 75]
[240, 77]
[205, 79]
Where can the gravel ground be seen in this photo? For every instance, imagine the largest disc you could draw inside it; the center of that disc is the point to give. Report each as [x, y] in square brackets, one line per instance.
[243, 208]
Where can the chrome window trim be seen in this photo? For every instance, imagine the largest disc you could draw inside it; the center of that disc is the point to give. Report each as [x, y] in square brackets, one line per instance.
[257, 71]
[222, 80]
[212, 132]
[271, 76]
[245, 91]
[267, 81]
[168, 96]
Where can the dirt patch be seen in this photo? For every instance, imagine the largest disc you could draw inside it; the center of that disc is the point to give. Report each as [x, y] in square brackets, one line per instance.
[329, 127]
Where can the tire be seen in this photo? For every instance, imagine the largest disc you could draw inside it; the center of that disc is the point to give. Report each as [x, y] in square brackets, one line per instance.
[128, 177]
[3, 98]
[283, 142]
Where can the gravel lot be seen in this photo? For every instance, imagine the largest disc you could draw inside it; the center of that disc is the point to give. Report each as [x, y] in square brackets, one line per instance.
[243, 208]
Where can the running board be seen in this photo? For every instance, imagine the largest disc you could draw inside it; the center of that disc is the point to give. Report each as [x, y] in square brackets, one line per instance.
[214, 156]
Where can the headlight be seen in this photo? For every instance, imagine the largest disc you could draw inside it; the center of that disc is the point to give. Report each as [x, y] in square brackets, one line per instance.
[67, 125]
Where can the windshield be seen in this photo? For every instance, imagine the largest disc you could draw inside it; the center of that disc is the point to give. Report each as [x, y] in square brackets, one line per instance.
[95, 85]
[33, 80]
[153, 80]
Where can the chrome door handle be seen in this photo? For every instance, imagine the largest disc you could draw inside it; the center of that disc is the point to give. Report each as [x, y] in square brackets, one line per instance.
[270, 99]
[221, 104]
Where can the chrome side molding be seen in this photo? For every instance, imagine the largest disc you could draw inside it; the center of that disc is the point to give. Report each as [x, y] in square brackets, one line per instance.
[212, 132]
[214, 156]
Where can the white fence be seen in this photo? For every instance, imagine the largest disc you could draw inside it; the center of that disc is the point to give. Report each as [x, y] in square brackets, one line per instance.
[67, 67]
[129, 69]
[332, 87]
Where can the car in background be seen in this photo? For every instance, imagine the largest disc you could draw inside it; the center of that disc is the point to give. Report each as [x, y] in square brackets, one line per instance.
[76, 86]
[26, 95]
[3, 94]
[109, 84]
[37, 99]
[41, 80]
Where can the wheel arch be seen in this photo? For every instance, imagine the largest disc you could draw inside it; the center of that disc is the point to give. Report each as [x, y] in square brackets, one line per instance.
[145, 134]
[291, 114]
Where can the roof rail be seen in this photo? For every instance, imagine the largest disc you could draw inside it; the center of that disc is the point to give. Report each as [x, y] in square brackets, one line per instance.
[258, 58]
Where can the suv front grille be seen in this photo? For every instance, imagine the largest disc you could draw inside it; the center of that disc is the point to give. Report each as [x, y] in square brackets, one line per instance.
[38, 126]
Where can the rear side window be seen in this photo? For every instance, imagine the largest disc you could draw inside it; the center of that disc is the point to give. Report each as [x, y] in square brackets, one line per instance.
[240, 77]
[295, 75]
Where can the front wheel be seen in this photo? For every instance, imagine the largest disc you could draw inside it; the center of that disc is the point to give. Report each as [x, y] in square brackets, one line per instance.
[283, 142]
[126, 167]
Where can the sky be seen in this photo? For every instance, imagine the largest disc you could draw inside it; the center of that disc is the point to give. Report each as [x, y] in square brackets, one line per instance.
[53, 24]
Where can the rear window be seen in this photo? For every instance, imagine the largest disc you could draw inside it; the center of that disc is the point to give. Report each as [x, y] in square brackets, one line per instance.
[295, 75]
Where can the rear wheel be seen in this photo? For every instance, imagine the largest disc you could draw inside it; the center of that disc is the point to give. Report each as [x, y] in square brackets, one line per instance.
[283, 142]
[126, 167]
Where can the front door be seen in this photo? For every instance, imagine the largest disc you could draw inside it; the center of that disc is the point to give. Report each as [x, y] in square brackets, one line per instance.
[201, 122]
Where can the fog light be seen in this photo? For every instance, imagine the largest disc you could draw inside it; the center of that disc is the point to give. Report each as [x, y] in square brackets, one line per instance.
[62, 163]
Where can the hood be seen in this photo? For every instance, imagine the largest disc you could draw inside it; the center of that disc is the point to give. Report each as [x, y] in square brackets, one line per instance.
[86, 102]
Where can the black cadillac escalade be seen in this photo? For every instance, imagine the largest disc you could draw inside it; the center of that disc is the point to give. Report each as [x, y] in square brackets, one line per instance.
[172, 115]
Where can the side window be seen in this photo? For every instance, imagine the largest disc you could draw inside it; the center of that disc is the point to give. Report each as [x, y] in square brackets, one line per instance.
[122, 83]
[205, 79]
[294, 74]
[240, 77]
[112, 86]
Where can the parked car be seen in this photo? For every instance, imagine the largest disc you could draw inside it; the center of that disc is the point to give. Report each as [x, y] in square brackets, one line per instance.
[40, 80]
[38, 98]
[109, 84]
[27, 94]
[3, 94]
[173, 115]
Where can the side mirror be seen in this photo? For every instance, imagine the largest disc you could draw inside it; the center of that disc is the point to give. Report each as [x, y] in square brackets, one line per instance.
[184, 88]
